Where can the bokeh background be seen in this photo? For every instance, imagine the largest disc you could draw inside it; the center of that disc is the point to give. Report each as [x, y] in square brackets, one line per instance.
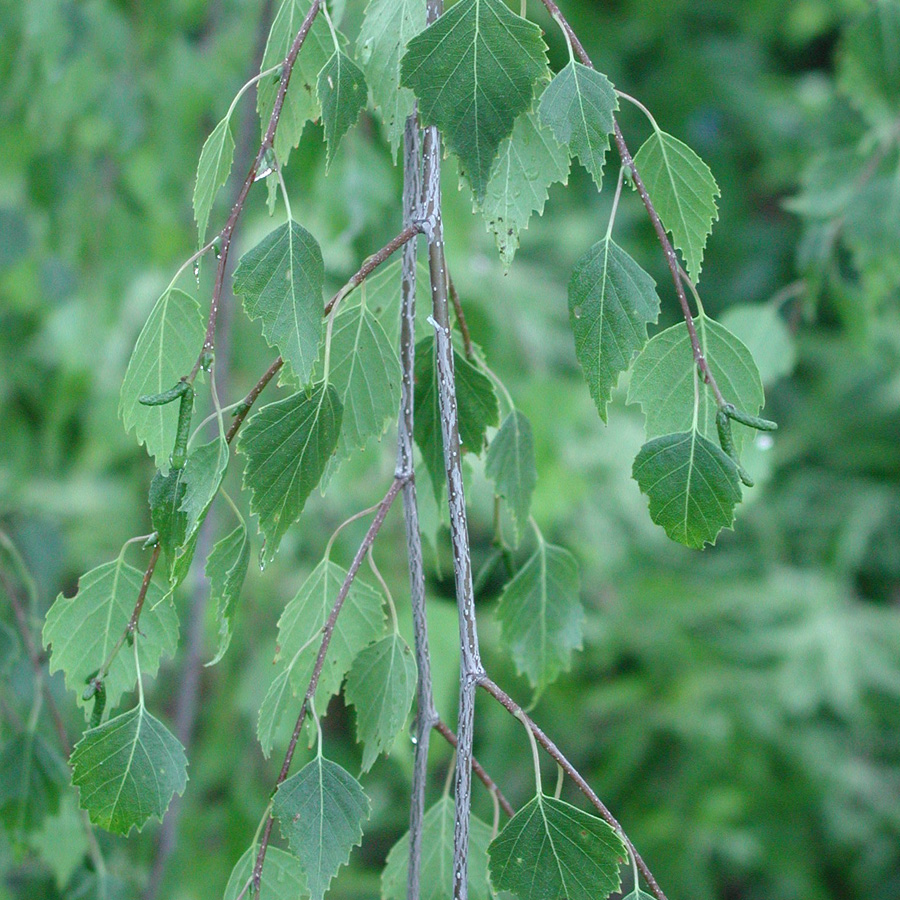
[738, 708]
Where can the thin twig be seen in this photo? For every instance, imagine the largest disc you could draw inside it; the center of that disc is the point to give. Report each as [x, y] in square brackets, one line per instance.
[244, 406]
[461, 319]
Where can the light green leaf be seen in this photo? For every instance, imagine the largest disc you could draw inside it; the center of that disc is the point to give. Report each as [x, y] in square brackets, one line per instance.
[765, 335]
[128, 770]
[343, 94]
[202, 476]
[683, 191]
[541, 616]
[474, 71]
[169, 523]
[81, 631]
[381, 685]
[528, 162]
[213, 170]
[611, 300]
[281, 281]
[578, 107]
[166, 349]
[510, 464]
[321, 810]
[301, 101]
[287, 445]
[360, 622]
[692, 485]
[477, 407]
[436, 866]
[226, 569]
[33, 775]
[638, 894]
[282, 876]
[386, 29]
[61, 841]
[552, 849]
[662, 381]
[383, 298]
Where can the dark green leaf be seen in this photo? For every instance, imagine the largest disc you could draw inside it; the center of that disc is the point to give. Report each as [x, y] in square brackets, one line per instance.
[282, 876]
[202, 476]
[226, 569]
[169, 522]
[343, 94]
[510, 463]
[33, 774]
[213, 170]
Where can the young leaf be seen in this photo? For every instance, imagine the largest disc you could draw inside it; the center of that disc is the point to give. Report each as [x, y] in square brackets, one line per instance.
[321, 810]
[692, 484]
[578, 107]
[474, 71]
[381, 685]
[436, 865]
[282, 876]
[213, 170]
[662, 380]
[510, 464]
[128, 770]
[165, 350]
[477, 406]
[300, 101]
[169, 523]
[552, 849]
[528, 162]
[541, 616]
[202, 475]
[281, 281]
[226, 569]
[611, 300]
[81, 631]
[33, 775]
[343, 94]
[683, 191]
[299, 635]
[287, 445]
[386, 29]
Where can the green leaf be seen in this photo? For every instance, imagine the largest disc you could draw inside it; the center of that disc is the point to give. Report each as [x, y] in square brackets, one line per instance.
[321, 810]
[436, 866]
[683, 191]
[766, 336]
[611, 300]
[692, 485]
[474, 71]
[202, 476]
[282, 876]
[541, 616]
[578, 107]
[638, 894]
[213, 170]
[81, 631]
[301, 101]
[343, 94]
[528, 162]
[226, 569]
[662, 380]
[166, 349]
[365, 372]
[281, 281]
[381, 685]
[552, 849]
[169, 522]
[360, 622]
[510, 464]
[33, 775]
[128, 770]
[386, 29]
[61, 841]
[477, 406]
[287, 445]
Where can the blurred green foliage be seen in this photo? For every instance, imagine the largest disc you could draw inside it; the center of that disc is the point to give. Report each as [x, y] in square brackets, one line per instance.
[739, 709]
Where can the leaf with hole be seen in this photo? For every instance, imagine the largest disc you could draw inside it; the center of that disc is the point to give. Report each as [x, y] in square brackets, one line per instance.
[226, 569]
[381, 685]
[541, 615]
[692, 485]
[683, 191]
[287, 445]
[510, 464]
[343, 94]
[166, 349]
[281, 281]
[552, 849]
[474, 71]
[579, 107]
[81, 631]
[321, 811]
[213, 170]
[128, 770]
